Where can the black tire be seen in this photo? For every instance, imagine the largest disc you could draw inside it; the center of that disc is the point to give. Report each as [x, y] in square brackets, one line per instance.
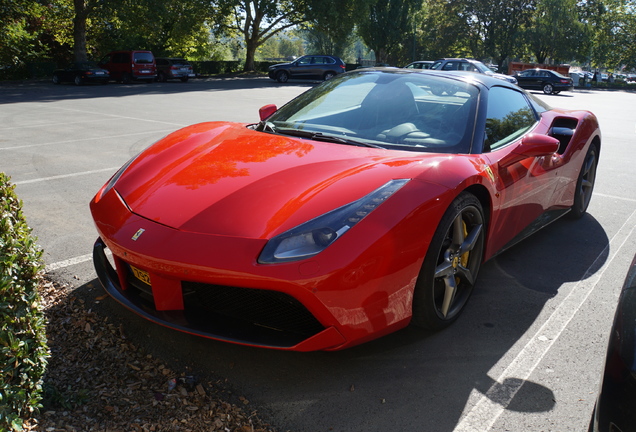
[585, 183]
[56, 79]
[282, 76]
[126, 78]
[78, 80]
[547, 88]
[161, 77]
[451, 265]
[184, 79]
[329, 75]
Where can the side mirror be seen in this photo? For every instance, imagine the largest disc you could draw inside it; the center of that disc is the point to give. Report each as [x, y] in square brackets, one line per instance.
[533, 145]
[266, 111]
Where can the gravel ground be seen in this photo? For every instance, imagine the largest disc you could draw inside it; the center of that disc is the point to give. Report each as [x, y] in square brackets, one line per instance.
[99, 381]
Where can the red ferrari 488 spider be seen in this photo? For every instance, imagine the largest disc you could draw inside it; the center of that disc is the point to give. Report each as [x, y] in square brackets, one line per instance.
[367, 203]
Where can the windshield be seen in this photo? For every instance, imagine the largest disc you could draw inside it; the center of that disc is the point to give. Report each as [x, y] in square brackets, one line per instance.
[144, 57]
[482, 67]
[389, 109]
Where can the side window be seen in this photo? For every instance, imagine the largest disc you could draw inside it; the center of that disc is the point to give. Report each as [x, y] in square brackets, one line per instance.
[508, 117]
[450, 66]
[121, 57]
[304, 60]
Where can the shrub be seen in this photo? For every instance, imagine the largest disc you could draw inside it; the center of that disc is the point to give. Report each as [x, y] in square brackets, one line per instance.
[23, 347]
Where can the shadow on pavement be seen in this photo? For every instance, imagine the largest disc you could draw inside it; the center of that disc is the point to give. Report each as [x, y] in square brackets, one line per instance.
[409, 380]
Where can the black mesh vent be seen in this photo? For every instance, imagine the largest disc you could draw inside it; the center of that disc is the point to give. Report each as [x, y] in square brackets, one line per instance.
[269, 309]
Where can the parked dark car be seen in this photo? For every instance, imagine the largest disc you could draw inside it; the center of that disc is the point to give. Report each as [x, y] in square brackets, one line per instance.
[469, 65]
[308, 67]
[81, 73]
[129, 66]
[550, 82]
[173, 68]
[616, 404]
[423, 64]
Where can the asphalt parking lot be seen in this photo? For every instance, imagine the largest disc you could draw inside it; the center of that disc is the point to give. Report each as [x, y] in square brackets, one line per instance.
[526, 355]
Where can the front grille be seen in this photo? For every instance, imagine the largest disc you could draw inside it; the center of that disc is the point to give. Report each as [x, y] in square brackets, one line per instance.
[263, 308]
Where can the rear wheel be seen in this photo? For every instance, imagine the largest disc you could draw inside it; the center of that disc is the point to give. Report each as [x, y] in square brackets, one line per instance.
[126, 78]
[282, 76]
[329, 75]
[78, 80]
[585, 183]
[451, 265]
[184, 79]
[547, 88]
[56, 79]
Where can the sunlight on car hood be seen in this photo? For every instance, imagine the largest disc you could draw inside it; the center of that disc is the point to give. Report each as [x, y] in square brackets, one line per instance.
[226, 179]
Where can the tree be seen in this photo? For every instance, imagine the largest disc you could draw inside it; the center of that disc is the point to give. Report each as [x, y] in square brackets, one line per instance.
[612, 25]
[385, 27]
[258, 20]
[497, 24]
[20, 22]
[331, 25]
[555, 31]
[443, 32]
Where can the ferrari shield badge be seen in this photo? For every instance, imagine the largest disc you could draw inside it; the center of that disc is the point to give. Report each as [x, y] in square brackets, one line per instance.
[138, 234]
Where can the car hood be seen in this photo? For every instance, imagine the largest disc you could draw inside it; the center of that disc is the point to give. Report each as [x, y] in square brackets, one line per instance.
[278, 65]
[227, 179]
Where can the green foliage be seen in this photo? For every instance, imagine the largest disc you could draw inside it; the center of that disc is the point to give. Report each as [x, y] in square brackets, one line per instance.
[555, 20]
[388, 29]
[23, 348]
[257, 21]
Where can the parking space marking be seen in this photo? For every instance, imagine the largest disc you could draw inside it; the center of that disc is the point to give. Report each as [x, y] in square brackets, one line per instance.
[615, 197]
[490, 406]
[67, 263]
[57, 177]
[123, 117]
[31, 126]
[86, 139]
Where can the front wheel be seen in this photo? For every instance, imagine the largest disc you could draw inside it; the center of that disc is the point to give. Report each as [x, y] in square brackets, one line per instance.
[282, 77]
[56, 79]
[78, 80]
[451, 265]
[548, 89]
[585, 183]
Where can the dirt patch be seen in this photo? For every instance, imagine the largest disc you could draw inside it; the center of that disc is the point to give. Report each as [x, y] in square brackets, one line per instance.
[97, 380]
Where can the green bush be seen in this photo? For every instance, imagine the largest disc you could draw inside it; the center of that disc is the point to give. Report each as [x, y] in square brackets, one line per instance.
[23, 346]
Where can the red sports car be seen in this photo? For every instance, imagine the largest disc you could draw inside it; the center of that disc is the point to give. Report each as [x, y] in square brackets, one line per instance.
[365, 204]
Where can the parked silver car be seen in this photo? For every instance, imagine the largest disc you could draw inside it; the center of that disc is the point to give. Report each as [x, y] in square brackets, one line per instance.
[173, 68]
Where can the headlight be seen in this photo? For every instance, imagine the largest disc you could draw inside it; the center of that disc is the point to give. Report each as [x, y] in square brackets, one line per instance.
[311, 238]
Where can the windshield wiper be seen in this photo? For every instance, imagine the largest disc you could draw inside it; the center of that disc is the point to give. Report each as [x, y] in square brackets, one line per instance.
[265, 126]
[319, 136]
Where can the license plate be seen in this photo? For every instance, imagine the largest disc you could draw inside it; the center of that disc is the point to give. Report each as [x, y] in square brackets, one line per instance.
[99, 73]
[142, 275]
[145, 71]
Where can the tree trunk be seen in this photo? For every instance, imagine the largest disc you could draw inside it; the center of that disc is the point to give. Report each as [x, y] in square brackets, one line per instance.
[250, 48]
[79, 30]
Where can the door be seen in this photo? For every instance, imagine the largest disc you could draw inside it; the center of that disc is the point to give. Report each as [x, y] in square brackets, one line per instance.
[525, 184]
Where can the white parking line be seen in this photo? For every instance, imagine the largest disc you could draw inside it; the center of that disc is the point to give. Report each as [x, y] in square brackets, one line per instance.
[615, 197]
[490, 406]
[68, 262]
[118, 116]
[57, 177]
[86, 139]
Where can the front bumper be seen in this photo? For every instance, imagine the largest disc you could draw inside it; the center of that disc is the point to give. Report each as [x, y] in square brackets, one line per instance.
[247, 316]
